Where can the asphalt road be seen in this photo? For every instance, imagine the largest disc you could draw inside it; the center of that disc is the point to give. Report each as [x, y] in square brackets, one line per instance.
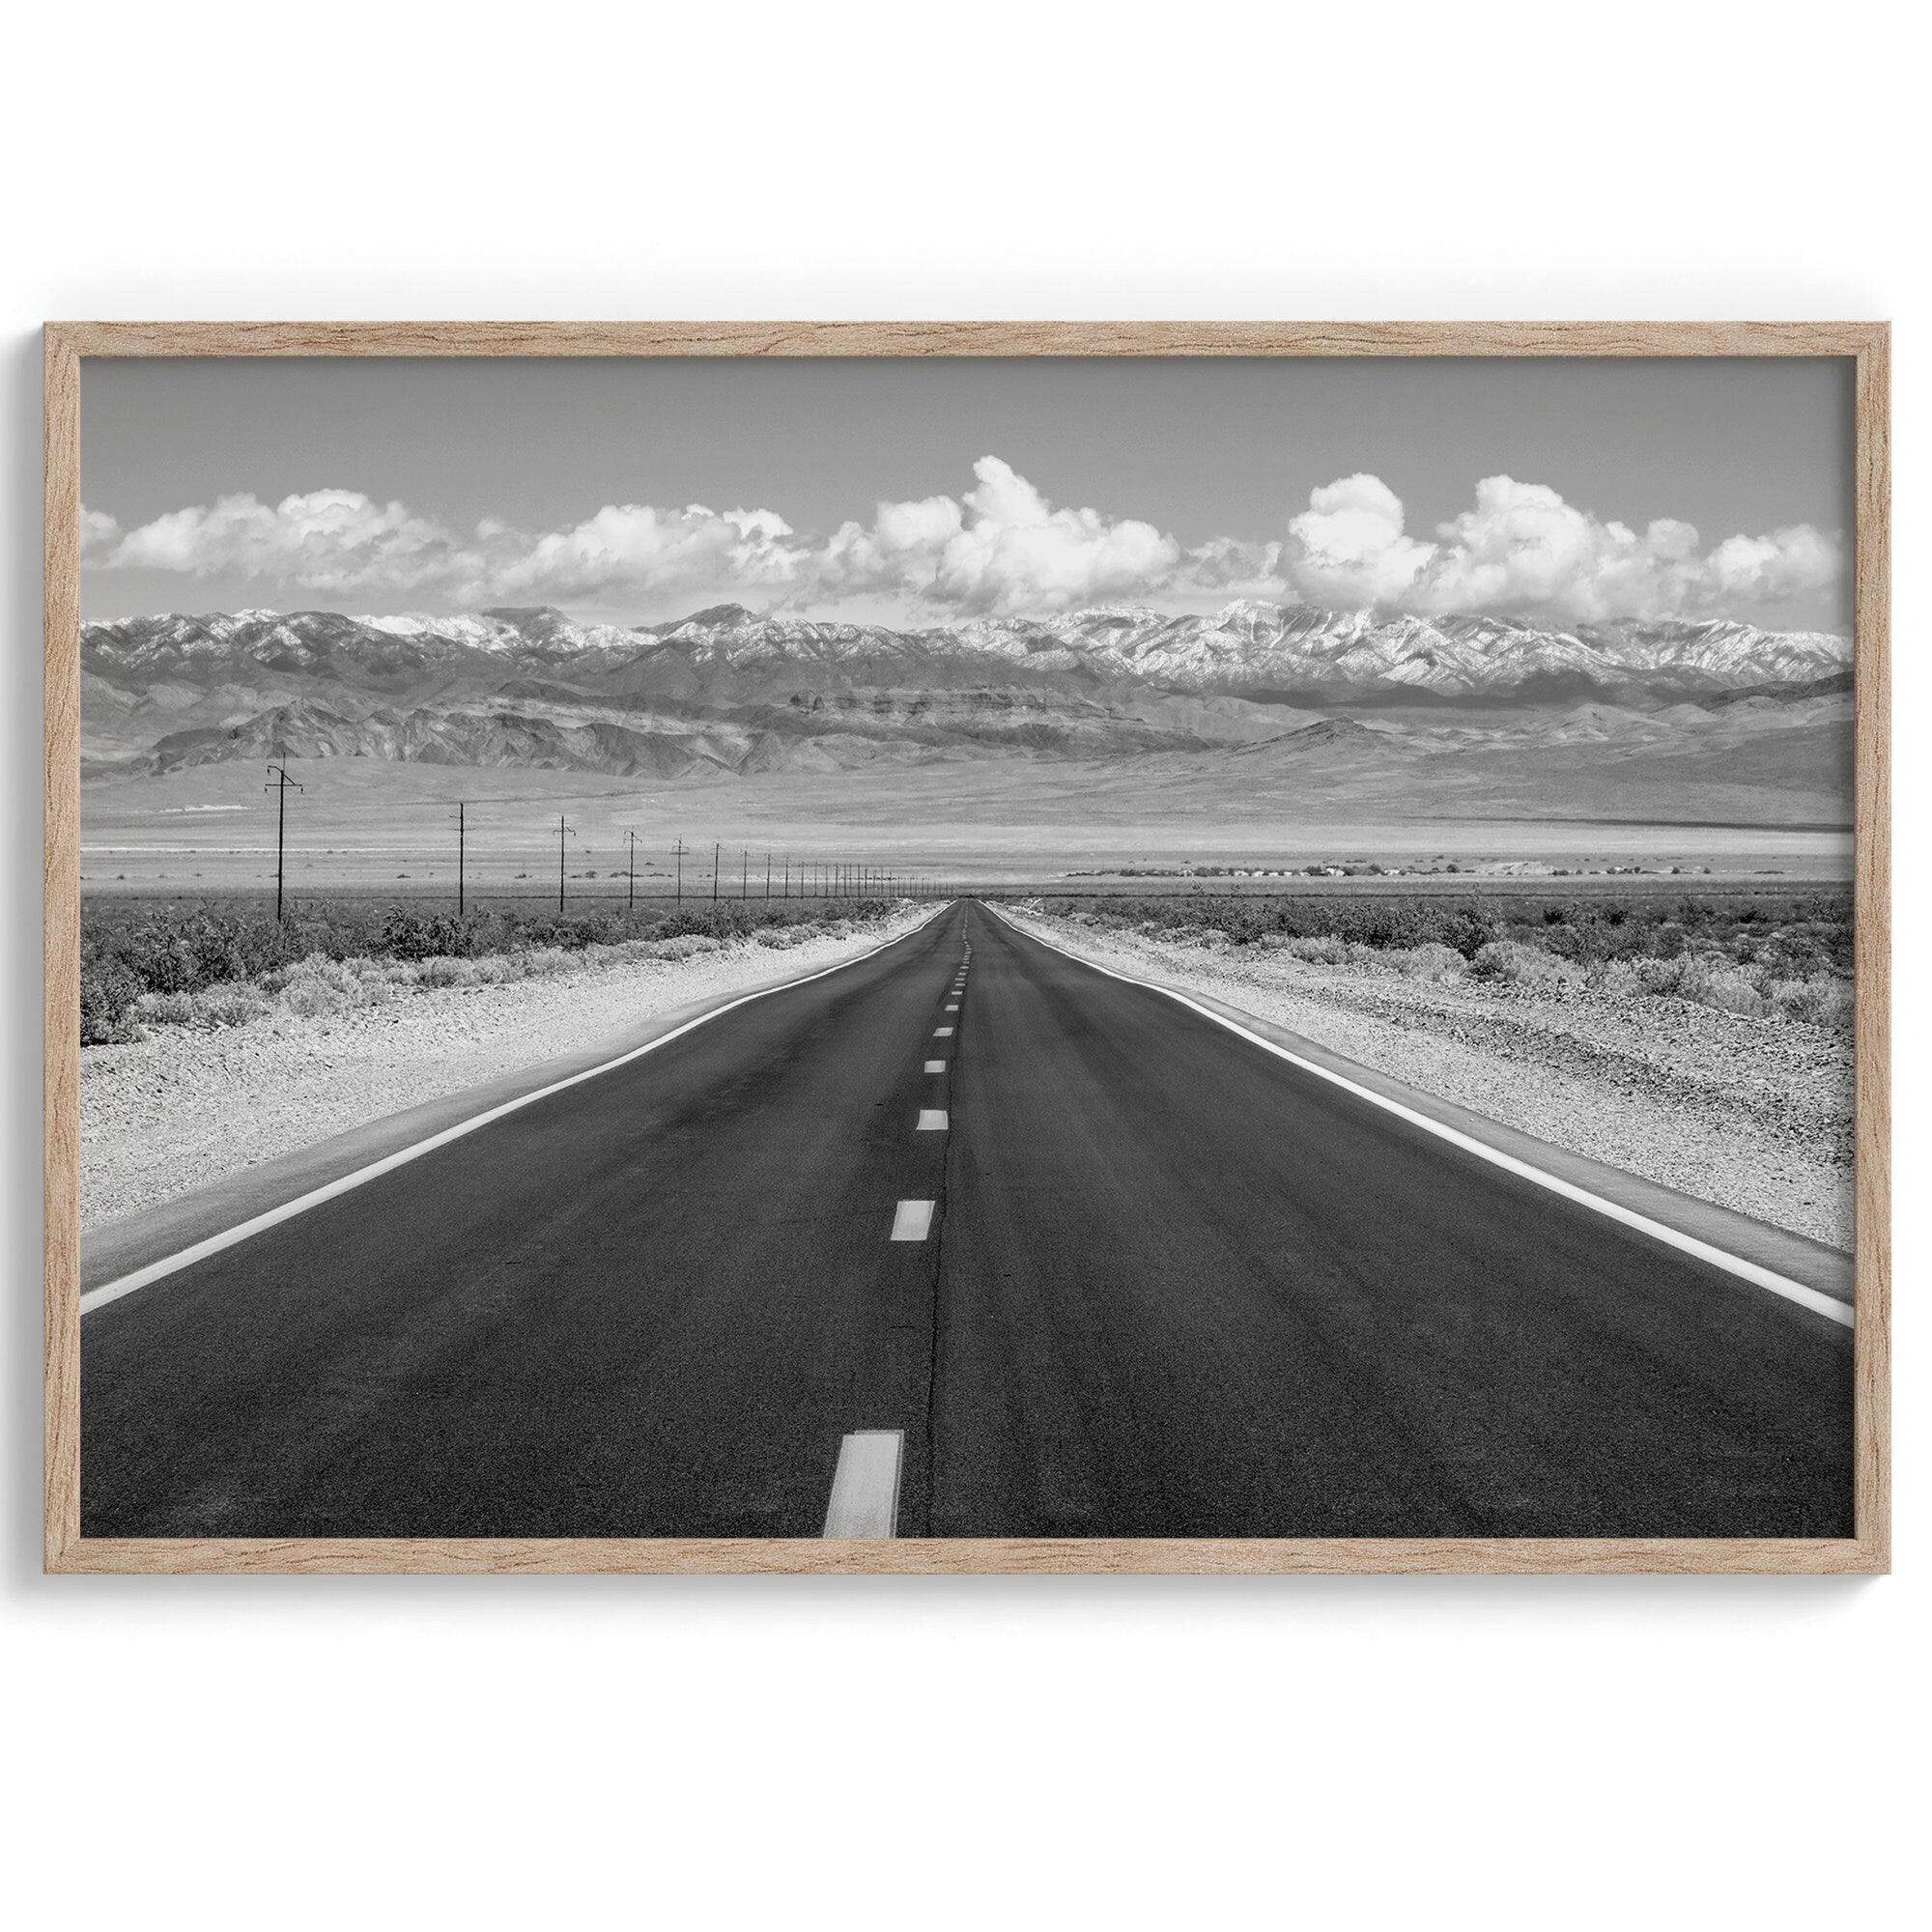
[1170, 1285]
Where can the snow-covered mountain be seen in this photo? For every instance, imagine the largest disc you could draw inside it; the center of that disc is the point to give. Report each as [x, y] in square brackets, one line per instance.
[726, 688]
[1243, 647]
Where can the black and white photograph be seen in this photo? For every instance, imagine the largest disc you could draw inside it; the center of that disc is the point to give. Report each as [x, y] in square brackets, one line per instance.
[963, 968]
[967, 948]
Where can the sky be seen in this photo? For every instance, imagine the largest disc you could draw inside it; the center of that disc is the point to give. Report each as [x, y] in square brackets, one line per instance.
[934, 490]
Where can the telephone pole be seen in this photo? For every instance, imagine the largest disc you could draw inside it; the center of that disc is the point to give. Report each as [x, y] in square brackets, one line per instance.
[459, 858]
[280, 788]
[631, 903]
[768, 875]
[561, 830]
[744, 874]
[716, 848]
[677, 852]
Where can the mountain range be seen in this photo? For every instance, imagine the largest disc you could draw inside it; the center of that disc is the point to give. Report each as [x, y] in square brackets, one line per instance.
[726, 689]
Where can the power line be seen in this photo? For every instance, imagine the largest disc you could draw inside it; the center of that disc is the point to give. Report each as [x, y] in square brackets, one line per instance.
[281, 790]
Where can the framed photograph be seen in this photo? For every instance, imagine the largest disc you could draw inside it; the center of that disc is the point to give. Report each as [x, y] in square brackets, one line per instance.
[967, 947]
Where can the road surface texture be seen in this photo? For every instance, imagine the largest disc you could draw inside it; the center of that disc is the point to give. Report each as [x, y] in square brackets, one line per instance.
[966, 1238]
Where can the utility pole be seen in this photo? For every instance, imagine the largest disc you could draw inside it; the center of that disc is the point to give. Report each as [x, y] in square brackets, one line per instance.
[459, 858]
[716, 848]
[678, 851]
[768, 875]
[631, 903]
[561, 830]
[280, 788]
[788, 876]
[744, 874]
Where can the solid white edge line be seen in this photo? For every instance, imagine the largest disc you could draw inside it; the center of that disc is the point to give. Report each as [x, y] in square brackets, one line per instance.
[113, 1290]
[1689, 1244]
[864, 1496]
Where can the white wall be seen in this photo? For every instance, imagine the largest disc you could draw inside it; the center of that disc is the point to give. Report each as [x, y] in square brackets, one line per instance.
[306, 1753]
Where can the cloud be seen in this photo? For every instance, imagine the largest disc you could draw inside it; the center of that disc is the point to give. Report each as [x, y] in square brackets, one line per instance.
[1004, 550]
[337, 542]
[98, 534]
[1524, 550]
[1348, 547]
[1000, 550]
[899, 553]
[341, 543]
[633, 547]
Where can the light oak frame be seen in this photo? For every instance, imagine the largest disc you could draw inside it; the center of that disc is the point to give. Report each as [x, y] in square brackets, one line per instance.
[1867, 343]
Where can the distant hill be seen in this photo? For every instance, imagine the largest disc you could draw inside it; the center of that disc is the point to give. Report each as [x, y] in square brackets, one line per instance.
[726, 689]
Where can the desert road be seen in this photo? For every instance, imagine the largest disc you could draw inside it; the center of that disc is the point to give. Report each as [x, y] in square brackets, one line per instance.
[966, 1238]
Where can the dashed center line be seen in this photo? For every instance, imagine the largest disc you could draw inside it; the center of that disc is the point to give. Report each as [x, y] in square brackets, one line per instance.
[935, 1066]
[913, 1221]
[942, 1032]
[865, 1485]
[952, 1010]
[931, 1120]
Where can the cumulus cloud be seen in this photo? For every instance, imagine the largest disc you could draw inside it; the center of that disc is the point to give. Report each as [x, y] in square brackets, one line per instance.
[336, 542]
[899, 553]
[1348, 547]
[1523, 550]
[1003, 551]
[343, 543]
[98, 534]
[1000, 550]
[631, 546]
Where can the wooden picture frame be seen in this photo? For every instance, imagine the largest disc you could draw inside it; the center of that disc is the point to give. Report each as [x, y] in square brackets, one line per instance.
[68, 345]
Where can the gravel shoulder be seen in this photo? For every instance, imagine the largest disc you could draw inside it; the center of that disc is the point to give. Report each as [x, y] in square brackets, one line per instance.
[1755, 1114]
[186, 1107]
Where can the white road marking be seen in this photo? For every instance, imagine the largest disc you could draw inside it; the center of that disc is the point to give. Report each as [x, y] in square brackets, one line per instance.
[942, 1032]
[913, 1221]
[952, 1010]
[935, 1066]
[229, 1237]
[1659, 1230]
[931, 1121]
[865, 1485]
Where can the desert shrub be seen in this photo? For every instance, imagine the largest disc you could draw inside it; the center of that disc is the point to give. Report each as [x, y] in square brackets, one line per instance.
[411, 933]
[1509, 962]
[317, 986]
[1724, 987]
[1431, 960]
[231, 1004]
[1617, 977]
[687, 946]
[1818, 1001]
[168, 953]
[544, 962]
[166, 1009]
[108, 991]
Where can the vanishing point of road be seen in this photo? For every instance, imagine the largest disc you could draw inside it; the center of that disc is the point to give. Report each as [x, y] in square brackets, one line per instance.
[966, 1238]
